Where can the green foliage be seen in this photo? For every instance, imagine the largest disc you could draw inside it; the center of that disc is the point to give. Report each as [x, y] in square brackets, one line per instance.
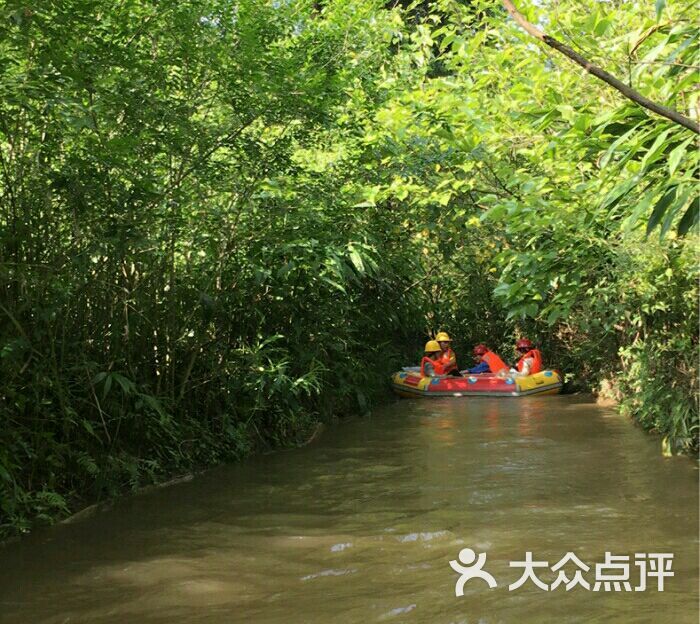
[538, 193]
[183, 276]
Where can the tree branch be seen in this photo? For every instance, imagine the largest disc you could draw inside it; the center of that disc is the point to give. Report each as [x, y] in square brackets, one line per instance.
[628, 92]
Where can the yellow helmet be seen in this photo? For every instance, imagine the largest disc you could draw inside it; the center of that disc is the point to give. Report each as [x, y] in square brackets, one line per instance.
[443, 337]
[432, 346]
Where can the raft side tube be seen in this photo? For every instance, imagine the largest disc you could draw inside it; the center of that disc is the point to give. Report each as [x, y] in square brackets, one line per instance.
[411, 384]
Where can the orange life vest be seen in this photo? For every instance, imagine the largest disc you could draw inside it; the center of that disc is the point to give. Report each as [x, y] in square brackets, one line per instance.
[437, 366]
[536, 366]
[448, 360]
[495, 363]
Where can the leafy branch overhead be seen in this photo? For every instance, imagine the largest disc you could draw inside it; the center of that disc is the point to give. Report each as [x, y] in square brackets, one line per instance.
[627, 91]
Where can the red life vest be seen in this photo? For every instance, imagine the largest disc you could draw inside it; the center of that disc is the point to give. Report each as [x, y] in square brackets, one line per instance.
[437, 366]
[536, 366]
[495, 363]
[448, 360]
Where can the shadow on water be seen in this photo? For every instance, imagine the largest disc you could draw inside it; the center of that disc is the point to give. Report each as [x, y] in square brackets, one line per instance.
[361, 525]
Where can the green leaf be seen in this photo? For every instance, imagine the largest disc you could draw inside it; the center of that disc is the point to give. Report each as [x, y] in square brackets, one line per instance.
[99, 377]
[655, 150]
[640, 208]
[88, 427]
[660, 5]
[5, 474]
[334, 284]
[678, 205]
[602, 26]
[660, 209]
[621, 139]
[154, 404]
[495, 213]
[126, 384]
[614, 196]
[357, 261]
[554, 316]
[530, 310]
[107, 387]
[676, 155]
[690, 218]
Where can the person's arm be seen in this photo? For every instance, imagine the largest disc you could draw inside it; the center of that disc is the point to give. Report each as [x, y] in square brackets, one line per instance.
[429, 369]
[448, 360]
[527, 367]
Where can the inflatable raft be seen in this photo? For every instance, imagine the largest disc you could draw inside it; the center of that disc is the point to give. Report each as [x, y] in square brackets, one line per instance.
[409, 383]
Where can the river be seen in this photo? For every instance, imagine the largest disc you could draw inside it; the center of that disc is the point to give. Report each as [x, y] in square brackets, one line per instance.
[360, 526]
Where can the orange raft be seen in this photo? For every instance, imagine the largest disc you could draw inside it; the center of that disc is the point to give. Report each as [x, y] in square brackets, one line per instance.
[409, 383]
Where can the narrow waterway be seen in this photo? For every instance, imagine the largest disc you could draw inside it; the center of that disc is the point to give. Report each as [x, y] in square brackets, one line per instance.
[361, 525]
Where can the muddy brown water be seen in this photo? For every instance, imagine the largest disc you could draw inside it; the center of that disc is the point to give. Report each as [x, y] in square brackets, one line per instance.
[361, 526]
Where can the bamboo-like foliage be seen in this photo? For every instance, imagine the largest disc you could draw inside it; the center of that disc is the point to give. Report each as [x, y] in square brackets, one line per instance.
[180, 277]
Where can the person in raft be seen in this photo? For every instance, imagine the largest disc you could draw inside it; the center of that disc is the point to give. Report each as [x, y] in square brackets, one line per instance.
[430, 365]
[448, 359]
[530, 361]
[489, 362]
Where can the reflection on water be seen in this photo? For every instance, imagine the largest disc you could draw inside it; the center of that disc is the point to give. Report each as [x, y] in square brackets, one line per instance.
[361, 526]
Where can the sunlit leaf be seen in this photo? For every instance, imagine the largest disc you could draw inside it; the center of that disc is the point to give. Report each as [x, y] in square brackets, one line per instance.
[660, 209]
[660, 5]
